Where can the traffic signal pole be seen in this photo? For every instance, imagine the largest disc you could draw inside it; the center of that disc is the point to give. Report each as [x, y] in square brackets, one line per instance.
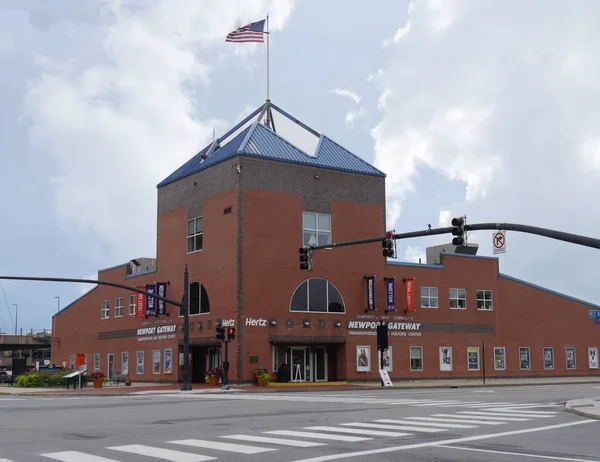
[186, 385]
[226, 367]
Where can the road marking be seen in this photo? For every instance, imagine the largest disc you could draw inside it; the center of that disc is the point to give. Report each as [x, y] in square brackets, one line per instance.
[355, 430]
[160, 453]
[282, 441]
[521, 454]
[394, 427]
[458, 421]
[318, 436]
[443, 442]
[482, 416]
[428, 424]
[230, 447]
[76, 456]
[5, 460]
[532, 413]
[510, 414]
[436, 404]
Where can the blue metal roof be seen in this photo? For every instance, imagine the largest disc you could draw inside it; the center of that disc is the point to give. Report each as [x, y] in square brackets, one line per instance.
[258, 140]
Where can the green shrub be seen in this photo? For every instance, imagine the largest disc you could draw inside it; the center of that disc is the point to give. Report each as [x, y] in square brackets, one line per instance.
[40, 379]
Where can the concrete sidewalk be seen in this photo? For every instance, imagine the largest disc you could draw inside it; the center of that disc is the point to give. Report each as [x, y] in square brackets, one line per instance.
[587, 407]
[147, 388]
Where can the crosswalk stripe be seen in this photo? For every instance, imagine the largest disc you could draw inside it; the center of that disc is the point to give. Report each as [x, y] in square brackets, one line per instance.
[429, 424]
[229, 447]
[533, 413]
[76, 456]
[318, 436]
[487, 416]
[394, 427]
[5, 460]
[461, 404]
[517, 414]
[282, 441]
[435, 404]
[453, 420]
[357, 430]
[160, 453]
[502, 403]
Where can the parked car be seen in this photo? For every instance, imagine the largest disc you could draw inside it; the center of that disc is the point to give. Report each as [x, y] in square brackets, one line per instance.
[6, 378]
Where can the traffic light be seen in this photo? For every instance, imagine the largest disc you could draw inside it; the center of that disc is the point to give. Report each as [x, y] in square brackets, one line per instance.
[231, 333]
[220, 332]
[305, 258]
[388, 245]
[458, 230]
[382, 337]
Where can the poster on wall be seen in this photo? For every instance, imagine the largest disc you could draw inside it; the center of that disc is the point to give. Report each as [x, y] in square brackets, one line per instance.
[151, 301]
[570, 358]
[363, 359]
[140, 362]
[161, 289]
[548, 358]
[410, 295]
[524, 358]
[140, 303]
[370, 281]
[387, 359]
[390, 291]
[593, 358]
[473, 358]
[445, 358]
[181, 358]
[499, 358]
[168, 361]
[156, 361]
[125, 363]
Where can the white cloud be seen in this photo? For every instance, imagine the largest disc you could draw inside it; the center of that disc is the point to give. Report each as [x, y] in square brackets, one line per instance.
[506, 105]
[346, 93]
[414, 254]
[115, 129]
[445, 218]
[353, 115]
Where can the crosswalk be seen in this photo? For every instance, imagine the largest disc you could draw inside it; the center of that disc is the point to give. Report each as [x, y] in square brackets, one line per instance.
[315, 436]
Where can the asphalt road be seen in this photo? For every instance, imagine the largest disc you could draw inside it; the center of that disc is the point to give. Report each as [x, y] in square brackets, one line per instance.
[502, 424]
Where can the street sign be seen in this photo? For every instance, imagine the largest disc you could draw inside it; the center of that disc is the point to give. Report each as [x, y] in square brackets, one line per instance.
[594, 313]
[80, 360]
[499, 242]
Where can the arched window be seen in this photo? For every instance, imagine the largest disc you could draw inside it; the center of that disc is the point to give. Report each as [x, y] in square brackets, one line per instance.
[317, 295]
[199, 303]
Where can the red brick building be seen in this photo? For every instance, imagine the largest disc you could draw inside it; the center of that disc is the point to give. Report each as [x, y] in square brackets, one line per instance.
[236, 214]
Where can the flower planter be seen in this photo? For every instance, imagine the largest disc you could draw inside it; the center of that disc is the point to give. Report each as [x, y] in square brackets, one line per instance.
[98, 383]
[260, 381]
[214, 381]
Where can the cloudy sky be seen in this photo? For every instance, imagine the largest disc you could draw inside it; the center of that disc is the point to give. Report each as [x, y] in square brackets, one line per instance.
[484, 108]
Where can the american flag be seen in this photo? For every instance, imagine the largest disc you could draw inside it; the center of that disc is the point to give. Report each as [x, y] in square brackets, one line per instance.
[253, 32]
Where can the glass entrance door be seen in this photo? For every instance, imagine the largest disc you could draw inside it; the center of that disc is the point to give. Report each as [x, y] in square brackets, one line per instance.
[298, 364]
[320, 363]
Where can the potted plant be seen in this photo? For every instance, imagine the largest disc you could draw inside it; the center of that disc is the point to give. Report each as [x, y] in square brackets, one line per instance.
[262, 376]
[213, 375]
[98, 378]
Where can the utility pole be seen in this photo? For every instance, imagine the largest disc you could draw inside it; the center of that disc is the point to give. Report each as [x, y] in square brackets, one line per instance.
[16, 316]
[186, 385]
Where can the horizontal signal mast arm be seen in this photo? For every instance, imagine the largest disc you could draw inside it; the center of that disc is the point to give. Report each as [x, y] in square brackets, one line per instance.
[550, 233]
[91, 281]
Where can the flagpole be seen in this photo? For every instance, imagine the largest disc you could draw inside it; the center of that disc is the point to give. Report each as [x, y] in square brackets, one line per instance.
[268, 119]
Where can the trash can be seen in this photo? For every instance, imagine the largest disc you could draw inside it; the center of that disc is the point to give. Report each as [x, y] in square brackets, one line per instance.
[283, 375]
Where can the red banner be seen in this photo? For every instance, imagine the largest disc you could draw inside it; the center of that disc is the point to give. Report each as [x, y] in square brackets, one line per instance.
[140, 303]
[410, 303]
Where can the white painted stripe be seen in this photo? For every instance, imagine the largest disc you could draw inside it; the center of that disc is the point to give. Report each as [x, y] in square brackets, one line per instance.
[492, 416]
[282, 441]
[434, 404]
[467, 421]
[394, 427]
[160, 453]
[520, 454]
[443, 442]
[428, 424]
[318, 436]
[5, 460]
[502, 411]
[514, 414]
[465, 404]
[360, 431]
[490, 405]
[230, 447]
[483, 417]
[76, 456]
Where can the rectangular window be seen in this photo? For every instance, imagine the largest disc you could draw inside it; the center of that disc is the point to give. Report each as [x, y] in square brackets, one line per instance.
[118, 307]
[316, 228]
[194, 235]
[275, 358]
[416, 358]
[484, 300]
[473, 358]
[104, 309]
[548, 358]
[458, 299]
[131, 305]
[125, 363]
[96, 362]
[72, 362]
[429, 297]
[571, 362]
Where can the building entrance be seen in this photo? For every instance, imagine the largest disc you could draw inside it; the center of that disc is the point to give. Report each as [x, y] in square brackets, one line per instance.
[203, 358]
[308, 363]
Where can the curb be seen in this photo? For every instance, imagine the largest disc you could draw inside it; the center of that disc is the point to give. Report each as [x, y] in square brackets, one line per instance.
[569, 408]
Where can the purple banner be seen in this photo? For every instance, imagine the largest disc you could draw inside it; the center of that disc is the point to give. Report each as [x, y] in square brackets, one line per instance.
[390, 294]
[161, 289]
[370, 293]
[150, 301]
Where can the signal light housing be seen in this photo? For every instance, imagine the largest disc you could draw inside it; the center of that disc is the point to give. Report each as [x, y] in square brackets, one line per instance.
[388, 245]
[458, 230]
[220, 333]
[231, 333]
[305, 258]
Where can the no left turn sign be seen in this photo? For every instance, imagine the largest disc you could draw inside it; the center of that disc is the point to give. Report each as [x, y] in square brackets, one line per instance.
[499, 242]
